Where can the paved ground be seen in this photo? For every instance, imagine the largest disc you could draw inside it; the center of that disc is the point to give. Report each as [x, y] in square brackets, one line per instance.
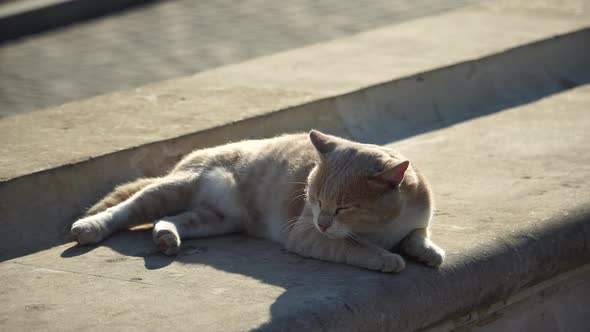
[178, 38]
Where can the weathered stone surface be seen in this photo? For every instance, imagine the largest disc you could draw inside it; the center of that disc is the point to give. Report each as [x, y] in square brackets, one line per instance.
[512, 211]
[166, 39]
[94, 127]
[504, 147]
[364, 87]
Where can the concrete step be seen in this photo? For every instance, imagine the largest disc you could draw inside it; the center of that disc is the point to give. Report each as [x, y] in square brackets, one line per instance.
[382, 85]
[496, 122]
[165, 39]
[513, 211]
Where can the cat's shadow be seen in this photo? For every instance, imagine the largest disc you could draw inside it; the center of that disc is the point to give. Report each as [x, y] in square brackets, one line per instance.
[304, 280]
[134, 244]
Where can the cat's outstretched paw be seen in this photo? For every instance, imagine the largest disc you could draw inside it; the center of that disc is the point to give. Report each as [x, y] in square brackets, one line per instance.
[92, 229]
[168, 241]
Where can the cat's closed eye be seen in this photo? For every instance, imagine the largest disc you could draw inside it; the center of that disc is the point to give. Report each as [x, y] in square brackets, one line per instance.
[340, 209]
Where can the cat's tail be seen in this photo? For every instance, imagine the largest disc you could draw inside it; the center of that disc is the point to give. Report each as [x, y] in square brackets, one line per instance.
[120, 194]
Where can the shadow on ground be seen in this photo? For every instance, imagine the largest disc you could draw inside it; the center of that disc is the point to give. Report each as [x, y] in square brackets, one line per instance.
[335, 287]
[442, 98]
[327, 296]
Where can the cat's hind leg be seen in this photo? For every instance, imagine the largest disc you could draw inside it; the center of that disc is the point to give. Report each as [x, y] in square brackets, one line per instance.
[200, 222]
[418, 245]
[166, 196]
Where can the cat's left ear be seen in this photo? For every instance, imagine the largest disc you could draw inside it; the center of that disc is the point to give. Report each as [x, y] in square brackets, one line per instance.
[393, 175]
[322, 142]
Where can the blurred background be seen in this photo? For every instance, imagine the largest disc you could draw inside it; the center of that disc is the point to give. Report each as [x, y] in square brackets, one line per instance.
[53, 51]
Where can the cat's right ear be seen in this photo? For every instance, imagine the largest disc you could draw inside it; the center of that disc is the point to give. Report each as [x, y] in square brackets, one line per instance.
[392, 175]
[322, 142]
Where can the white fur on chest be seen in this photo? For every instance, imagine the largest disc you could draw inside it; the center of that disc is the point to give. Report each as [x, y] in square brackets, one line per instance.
[397, 230]
[274, 228]
[273, 217]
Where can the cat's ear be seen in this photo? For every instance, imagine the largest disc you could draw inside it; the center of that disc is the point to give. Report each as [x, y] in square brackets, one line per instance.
[392, 175]
[322, 142]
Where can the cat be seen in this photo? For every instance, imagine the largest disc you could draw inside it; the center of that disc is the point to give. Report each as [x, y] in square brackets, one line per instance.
[320, 195]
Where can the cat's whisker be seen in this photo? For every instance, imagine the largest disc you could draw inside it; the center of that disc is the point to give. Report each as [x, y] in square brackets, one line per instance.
[299, 222]
[362, 241]
[291, 223]
[354, 238]
[291, 226]
[291, 219]
[297, 191]
[288, 228]
[370, 244]
[304, 194]
[302, 190]
[303, 225]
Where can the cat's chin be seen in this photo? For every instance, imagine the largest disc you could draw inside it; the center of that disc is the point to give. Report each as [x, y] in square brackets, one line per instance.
[329, 236]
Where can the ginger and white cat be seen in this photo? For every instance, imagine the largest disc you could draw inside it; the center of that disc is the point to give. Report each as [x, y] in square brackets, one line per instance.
[320, 195]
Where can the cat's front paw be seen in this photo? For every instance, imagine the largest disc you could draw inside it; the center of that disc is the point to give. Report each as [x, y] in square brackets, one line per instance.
[386, 262]
[434, 256]
[426, 252]
[167, 241]
[392, 263]
[92, 229]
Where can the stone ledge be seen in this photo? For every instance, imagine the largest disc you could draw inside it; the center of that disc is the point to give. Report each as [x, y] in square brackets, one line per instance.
[513, 212]
[221, 97]
[364, 87]
[488, 122]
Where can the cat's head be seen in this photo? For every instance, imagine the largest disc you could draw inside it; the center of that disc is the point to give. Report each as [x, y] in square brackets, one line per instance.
[355, 188]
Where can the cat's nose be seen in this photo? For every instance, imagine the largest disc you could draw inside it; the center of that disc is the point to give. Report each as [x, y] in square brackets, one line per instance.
[324, 221]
